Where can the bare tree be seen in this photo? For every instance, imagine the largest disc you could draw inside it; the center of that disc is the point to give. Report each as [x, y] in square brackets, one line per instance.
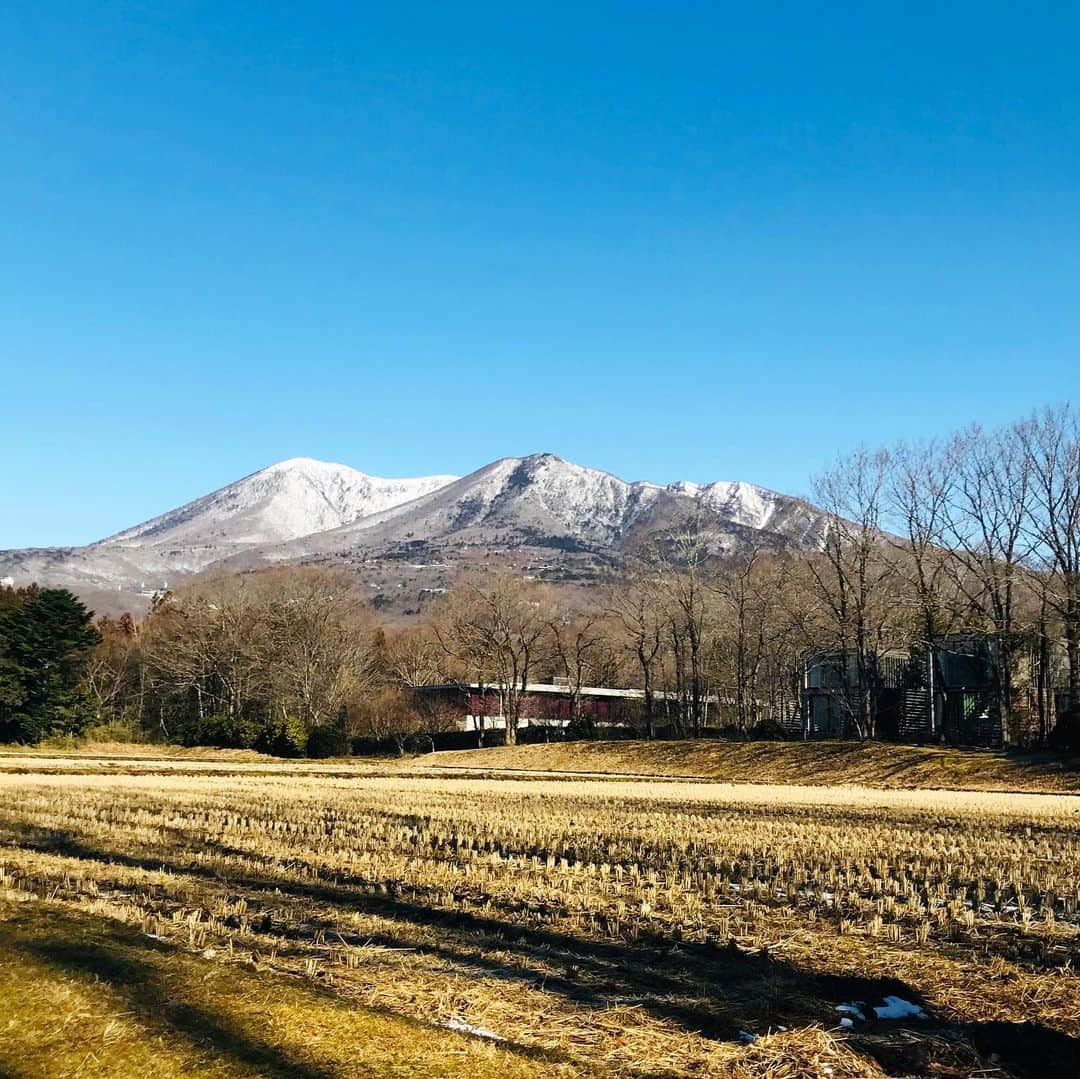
[919, 486]
[499, 627]
[986, 517]
[755, 641]
[204, 651]
[633, 605]
[582, 649]
[111, 671]
[320, 639]
[1051, 441]
[415, 656]
[681, 562]
[740, 640]
[385, 714]
[290, 645]
[851, 573]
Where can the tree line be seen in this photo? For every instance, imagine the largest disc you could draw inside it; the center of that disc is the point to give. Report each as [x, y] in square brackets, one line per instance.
[976, 533]
[979, 531]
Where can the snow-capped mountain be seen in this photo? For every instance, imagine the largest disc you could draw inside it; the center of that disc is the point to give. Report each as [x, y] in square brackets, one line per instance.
[307, 510]
[742, 503]
[544, 501]
[541, 496]
[283, 502]
[288, 500]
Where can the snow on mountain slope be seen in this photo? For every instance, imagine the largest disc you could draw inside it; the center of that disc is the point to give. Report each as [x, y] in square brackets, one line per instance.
[305, 509]
[540, 494]
[280, 503]
[546, 498]
[285, 501]
[742, 503]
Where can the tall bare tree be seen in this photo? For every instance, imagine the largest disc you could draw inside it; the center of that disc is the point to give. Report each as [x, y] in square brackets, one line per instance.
[986, 517]
[292, 643]
[111, 672]
[319, 641]
[756, 642]
[1051, 440]
[851, 573]
[682, 567]
[633, 606]
[499, 626]
[583, 650]
[918, 490]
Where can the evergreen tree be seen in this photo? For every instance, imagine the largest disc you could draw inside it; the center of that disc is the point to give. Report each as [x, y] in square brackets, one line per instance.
[45, 640]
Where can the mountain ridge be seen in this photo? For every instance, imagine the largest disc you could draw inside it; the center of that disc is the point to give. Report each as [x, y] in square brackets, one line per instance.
[318, 495]
[305, 510]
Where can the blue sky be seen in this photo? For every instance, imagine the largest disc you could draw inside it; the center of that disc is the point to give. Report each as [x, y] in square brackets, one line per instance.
[697, 241]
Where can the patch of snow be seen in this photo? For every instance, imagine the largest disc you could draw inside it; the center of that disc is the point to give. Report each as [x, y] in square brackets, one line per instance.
[898, 1008]
[744, 503]
[891, 1007]
[461, 1027]
[747, 1038]
[851, 1009]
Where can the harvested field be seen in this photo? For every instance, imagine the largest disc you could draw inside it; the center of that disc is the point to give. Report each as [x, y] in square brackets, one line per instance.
[875, 764]
[608, 927]
[88, 995]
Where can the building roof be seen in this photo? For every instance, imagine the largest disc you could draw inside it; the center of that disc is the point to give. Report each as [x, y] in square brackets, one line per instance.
[562, 689]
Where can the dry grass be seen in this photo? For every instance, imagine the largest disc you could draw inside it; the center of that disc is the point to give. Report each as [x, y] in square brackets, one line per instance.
[130, 750]
[83, 995]
[819, 763]
[613, 927]
[816, 764]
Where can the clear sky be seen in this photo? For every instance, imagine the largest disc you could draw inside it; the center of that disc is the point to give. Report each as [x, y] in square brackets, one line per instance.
[672, 240]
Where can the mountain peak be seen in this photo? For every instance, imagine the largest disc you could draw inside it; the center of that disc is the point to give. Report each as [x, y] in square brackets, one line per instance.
[282, 502]
[302, 509]
[293, 464]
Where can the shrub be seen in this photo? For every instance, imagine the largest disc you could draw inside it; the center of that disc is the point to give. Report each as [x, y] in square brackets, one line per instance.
[769, 729]
[115, 730]
[286, 737]
[329, 741]
[1066, 734]
[225, 732]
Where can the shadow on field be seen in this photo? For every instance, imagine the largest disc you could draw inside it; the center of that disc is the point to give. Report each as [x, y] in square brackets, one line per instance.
[714, 991]
[157, 1005]
[161, 1002]
[717, 991]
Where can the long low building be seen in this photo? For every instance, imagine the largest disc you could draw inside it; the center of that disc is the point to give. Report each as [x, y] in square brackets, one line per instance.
[548, 704]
